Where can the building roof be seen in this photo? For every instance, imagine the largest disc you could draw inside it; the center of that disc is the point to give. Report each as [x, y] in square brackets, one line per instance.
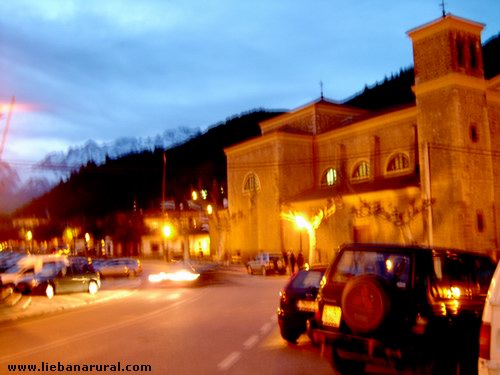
[389, 183]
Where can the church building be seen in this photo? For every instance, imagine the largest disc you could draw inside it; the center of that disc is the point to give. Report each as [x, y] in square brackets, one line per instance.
[426, 173]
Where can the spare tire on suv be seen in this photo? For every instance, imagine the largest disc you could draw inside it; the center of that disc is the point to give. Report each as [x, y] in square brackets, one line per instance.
[406, 307]
[365, 303]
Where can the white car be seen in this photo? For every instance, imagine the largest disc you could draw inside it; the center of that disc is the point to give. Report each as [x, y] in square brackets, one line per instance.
[266, 263]
[28, 266]
[489, 338]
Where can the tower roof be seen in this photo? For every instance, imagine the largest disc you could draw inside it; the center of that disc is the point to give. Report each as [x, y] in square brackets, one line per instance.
[443, 23]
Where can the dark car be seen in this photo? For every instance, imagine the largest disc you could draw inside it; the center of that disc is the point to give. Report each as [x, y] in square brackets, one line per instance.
[60, 278]
[406, 307]
[298, 302]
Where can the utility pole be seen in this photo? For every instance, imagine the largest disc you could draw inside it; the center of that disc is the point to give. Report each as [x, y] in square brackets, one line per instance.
[7, 124]
[164, 182]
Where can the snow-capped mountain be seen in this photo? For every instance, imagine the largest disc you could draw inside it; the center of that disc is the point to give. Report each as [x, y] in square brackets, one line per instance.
[17, 188]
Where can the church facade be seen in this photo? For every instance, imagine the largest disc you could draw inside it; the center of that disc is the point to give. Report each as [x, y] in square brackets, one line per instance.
[427, 173]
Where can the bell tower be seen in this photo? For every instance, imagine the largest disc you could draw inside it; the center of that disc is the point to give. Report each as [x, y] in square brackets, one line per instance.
[449, 45]
[454, 133]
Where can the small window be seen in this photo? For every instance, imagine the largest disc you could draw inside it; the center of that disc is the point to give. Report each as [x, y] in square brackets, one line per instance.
[473, 60]
[460, 53]
[480, 221]
[474, 136]
[398, 162]
[251, 183]
[361, 171]
[329, 177]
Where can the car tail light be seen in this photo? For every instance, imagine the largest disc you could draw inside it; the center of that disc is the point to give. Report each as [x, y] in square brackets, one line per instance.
[317, 314]
[420, 325]
[484, 341]
[283, 295]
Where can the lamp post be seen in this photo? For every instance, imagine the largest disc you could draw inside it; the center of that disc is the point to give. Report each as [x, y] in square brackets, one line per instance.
[166, 232]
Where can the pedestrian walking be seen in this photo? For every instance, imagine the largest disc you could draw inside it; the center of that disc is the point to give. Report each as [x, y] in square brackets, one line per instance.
[285, 259]
[300, 260]
[292, 262]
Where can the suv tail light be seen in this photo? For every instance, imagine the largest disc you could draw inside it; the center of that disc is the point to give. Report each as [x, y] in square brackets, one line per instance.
[484, 341]
[317, 314]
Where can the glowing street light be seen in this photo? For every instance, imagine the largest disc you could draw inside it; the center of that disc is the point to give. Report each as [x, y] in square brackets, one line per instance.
[167, 232]
[29, 238]
[210, 209]
[302, 222]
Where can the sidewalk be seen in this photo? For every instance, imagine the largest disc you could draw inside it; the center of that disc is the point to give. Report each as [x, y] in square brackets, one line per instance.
[16, 306]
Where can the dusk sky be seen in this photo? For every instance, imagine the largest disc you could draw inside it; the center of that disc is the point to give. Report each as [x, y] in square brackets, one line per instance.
[103, 69]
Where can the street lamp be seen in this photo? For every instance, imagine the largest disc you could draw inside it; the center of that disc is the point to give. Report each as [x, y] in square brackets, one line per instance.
[210, 209]
[167, 232]
[87, 240]
[29, 238]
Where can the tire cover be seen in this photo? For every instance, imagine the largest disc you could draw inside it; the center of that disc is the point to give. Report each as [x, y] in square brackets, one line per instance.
[365, 303]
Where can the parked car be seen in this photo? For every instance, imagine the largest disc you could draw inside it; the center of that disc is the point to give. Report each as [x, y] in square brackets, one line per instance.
[118, 267]
[9, 259]
[60, 278]
[489, 337]
[267, 263]
[298, 302]
[406, 307]
[27, 266]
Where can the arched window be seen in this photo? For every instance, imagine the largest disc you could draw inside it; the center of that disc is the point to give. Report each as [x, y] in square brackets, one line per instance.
[398, 162]
[329, 177]
[251, 183]
[361, 171]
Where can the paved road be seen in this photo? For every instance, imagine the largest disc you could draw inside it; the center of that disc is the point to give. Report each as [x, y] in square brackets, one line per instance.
[226, 326]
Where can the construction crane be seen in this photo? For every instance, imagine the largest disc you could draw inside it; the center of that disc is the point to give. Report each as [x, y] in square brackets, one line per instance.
[7, 124]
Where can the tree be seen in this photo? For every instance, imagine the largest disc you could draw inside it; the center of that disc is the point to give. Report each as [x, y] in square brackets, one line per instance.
[401, 219]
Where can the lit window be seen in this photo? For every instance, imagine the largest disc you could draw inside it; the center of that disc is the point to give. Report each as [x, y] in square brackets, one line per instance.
[329, 177]
[398, 162]
[361, 171]
[251, 183]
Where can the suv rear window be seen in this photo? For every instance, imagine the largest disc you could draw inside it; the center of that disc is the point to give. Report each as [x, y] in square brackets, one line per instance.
[393, 267]
[307, 279]
[461, 276]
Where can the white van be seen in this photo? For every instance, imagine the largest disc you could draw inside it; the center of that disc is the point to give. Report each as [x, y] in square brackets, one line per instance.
[489, 338]
[28, 265]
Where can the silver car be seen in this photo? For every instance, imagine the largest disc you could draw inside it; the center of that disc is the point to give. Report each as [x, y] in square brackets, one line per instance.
[118, 267]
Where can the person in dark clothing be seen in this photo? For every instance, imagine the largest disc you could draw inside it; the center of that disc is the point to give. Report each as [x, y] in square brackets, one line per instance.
[285, 258]
[300, 261]
[292, 262]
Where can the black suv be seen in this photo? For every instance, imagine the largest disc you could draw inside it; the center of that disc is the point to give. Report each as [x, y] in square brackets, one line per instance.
[404, 307]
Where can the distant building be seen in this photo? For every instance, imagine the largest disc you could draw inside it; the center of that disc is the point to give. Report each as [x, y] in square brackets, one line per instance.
[428, 173]
[176, 233]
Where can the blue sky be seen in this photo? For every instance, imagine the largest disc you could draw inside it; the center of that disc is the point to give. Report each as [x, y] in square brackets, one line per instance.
[101, 70]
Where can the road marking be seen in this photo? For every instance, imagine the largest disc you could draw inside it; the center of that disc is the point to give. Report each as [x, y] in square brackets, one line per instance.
[26, 304]
[105, 330]
[252, 340]
[265, 328]
[230, 360]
